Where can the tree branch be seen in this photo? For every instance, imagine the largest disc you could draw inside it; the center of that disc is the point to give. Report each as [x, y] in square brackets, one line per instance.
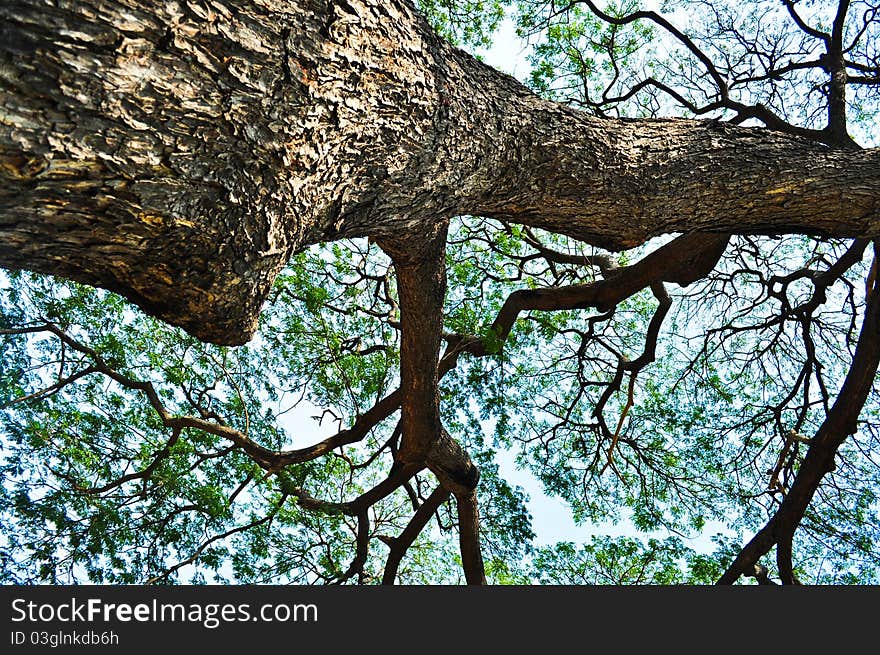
[840, 422]
[469, 538]
[420, 267]
[268, 459]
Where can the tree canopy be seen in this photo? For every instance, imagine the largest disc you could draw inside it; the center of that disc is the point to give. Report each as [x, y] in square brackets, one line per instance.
[675, 379]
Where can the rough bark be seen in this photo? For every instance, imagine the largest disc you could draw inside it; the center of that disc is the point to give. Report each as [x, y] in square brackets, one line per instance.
[469, 538]
[179, 152]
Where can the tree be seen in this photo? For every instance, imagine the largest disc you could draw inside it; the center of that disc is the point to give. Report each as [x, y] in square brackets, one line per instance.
[183, 155]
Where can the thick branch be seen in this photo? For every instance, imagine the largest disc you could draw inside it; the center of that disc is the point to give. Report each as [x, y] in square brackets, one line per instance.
[683, 261]
[801, 23]
[469, 538]
[179, 159]
[836, 68]
[362, 547]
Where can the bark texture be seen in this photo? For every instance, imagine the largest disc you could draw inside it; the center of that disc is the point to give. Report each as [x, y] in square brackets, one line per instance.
[179, 152]
[420, 269]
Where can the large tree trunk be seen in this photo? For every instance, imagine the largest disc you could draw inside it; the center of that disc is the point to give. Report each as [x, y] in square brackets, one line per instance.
[179, 152]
